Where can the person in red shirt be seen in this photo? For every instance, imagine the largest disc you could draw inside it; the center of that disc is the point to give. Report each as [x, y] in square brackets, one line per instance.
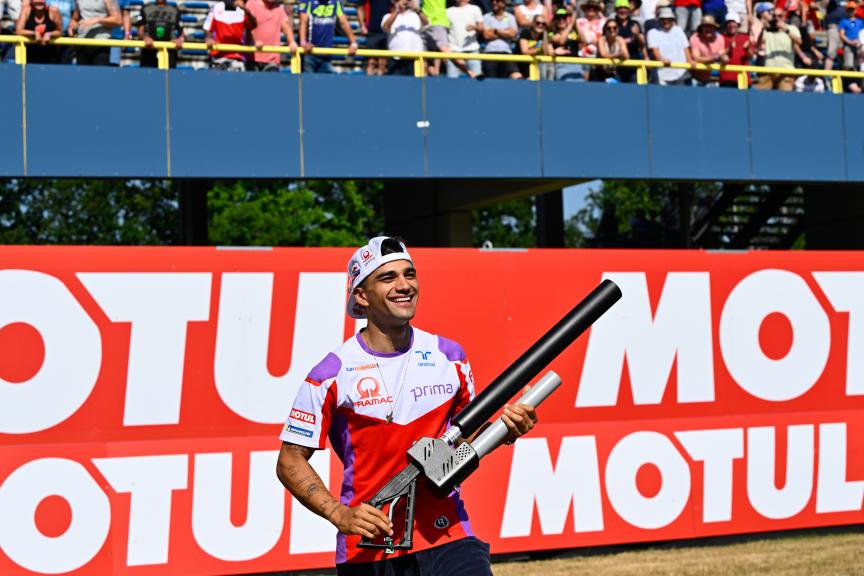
[227, 23]
[738, 49]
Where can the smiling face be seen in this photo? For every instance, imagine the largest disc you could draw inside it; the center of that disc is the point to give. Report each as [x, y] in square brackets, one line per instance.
[390, 294]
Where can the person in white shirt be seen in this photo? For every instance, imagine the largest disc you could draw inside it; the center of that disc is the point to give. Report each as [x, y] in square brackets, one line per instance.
[402, 26]
[466, 24]
[669, 44]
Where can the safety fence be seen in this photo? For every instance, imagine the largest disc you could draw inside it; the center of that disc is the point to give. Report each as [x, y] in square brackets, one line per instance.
[420, 59]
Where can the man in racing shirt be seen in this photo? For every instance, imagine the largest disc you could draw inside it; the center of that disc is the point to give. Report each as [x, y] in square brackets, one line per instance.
[374, 396]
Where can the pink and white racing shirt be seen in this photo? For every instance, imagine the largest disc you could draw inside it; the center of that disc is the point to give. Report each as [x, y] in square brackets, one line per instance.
[348, 396]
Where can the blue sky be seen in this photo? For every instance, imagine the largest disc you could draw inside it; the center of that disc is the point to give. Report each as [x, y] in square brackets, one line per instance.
[574, 196]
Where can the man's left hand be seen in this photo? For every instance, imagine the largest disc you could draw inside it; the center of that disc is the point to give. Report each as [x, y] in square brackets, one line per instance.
[519, 418]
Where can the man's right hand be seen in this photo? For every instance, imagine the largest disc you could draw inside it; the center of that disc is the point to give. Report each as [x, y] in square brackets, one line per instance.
[148, 42]
[363, 520]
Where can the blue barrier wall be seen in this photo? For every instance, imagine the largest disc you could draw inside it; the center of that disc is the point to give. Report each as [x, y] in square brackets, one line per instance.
[99, 122]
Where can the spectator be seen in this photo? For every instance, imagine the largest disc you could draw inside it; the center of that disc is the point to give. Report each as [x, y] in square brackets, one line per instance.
[272, 22]
[590, 28]
[370, 14]
[526, 12]
[715, 8]
[806, 53]
[13, 10]
[317, 28]
[850, 29]
[534, 41]
[41, 24]
[66, 54]
[669, 44]
[122, 32]
[613, 46]
[834, 14]
[808, 83]
[742, 9]
[689, 14]
[435, 33]
[94, 19]
[403, 25]
[565, 42]
[159, 21]
[499, 30]
[227, 23]
[738, 49]
[707, 47]
[652, 22]
[776, 39]
[631, 31]
[466, 22]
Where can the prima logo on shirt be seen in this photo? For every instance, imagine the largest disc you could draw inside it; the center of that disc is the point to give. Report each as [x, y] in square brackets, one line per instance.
[369, 391]
[432, 390]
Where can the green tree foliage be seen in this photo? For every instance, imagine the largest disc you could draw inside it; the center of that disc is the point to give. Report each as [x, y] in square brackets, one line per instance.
[509, 225]
[278, 213]
[87, 212]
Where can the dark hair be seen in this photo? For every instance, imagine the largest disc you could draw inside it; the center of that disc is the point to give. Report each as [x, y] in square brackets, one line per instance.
[392, 245]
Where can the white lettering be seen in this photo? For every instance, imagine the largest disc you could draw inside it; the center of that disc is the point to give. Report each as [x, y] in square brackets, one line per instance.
[574, 479]
[755, 297]
[20, 495]
[717, 449]
[845, 291]
[681, 329]
[151, 481]
[629, 455]
[211, 507]
[159, 307]
[834, 493]
[765, 497]
[242, 378]
[73, 352]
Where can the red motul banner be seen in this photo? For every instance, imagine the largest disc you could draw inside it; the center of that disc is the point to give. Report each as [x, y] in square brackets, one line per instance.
[142, 391]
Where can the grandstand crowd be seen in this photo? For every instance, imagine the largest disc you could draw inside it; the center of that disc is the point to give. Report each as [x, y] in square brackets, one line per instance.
[808, 34]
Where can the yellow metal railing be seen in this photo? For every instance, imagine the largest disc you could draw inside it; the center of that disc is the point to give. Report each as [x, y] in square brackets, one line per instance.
[420, 59]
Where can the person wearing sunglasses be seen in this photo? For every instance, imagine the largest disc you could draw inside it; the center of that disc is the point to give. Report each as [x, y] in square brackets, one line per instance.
[612, 46]
[534, 41]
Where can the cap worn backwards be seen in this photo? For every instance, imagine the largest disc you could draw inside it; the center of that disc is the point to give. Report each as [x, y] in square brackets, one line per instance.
[364, 262]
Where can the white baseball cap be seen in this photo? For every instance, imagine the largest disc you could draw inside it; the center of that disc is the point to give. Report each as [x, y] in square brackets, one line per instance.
[365, 261]
[733, 16]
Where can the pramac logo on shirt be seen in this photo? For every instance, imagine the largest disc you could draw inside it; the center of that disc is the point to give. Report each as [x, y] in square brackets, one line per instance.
[369, 391]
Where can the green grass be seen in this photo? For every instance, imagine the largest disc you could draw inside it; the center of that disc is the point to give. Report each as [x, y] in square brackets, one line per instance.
[817, 553]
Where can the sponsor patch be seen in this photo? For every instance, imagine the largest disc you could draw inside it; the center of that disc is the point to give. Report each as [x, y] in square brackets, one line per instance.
[360, 368]
[299, 431]
[432, 390]
[302, 416]
[442, 522]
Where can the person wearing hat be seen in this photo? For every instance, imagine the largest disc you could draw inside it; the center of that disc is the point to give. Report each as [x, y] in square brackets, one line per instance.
[564, 41]
[373, 396]
[850, 29]
[707, 47]
[669, 44]
[590, 28]
[631, 31]
[738, 49]
[777, 41]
